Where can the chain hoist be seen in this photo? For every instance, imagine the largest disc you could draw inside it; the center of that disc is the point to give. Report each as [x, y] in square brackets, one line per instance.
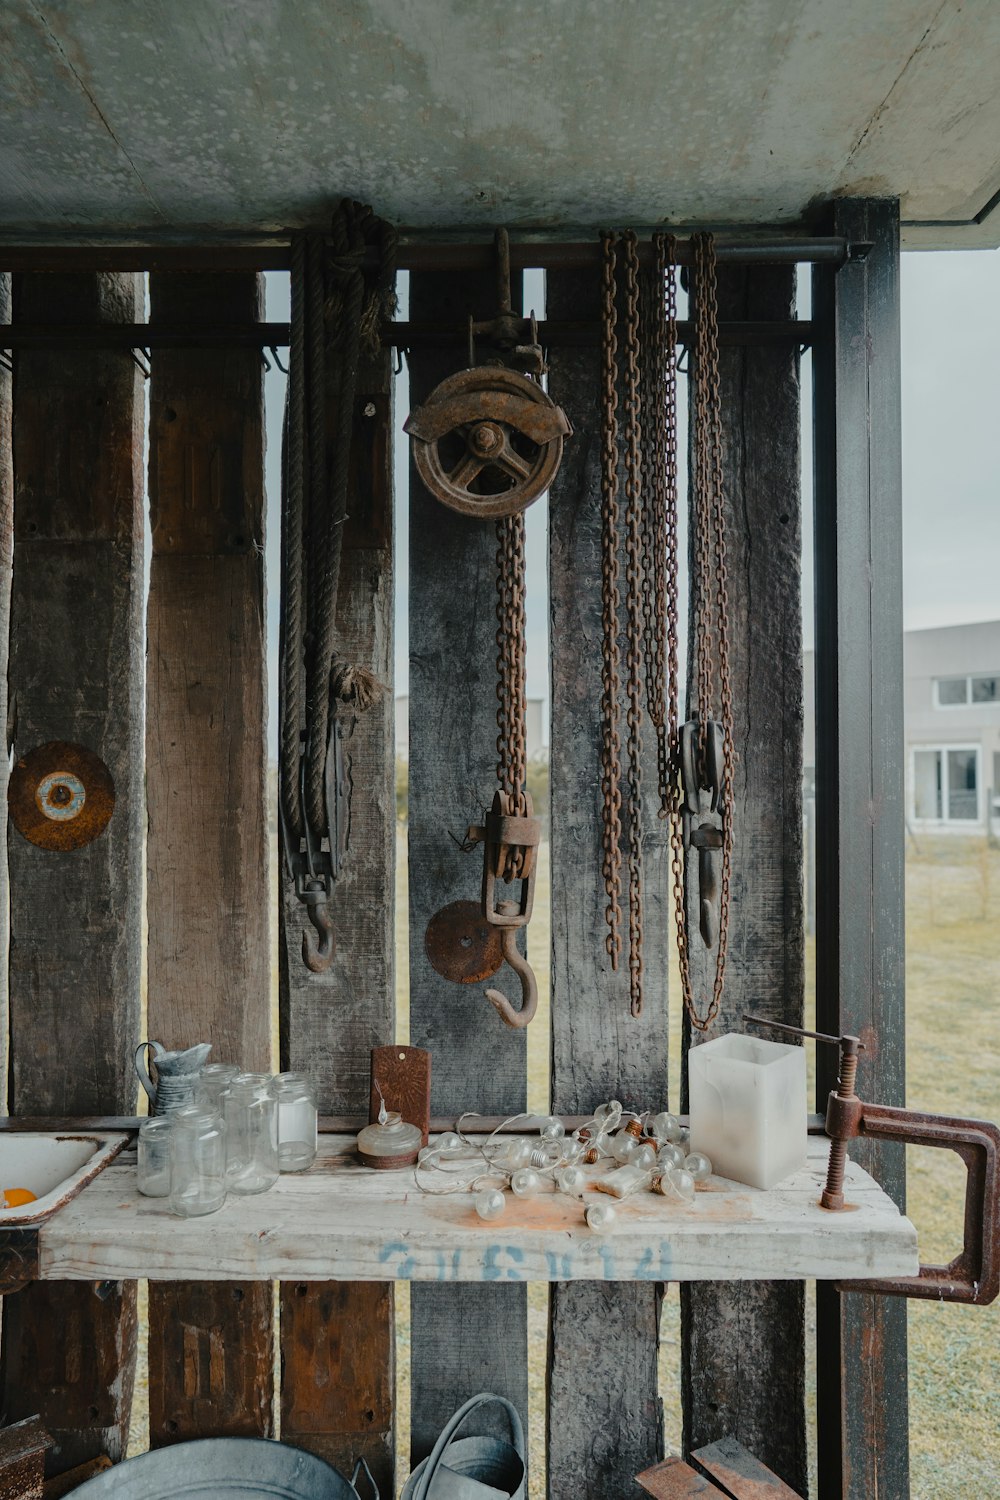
[695, 760]
[487, 442]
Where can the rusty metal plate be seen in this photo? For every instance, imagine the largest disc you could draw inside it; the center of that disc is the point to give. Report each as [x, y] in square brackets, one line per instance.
[60, 796]
[739, 1473]
[401, 1076]
[673, 1479]
[461, 945]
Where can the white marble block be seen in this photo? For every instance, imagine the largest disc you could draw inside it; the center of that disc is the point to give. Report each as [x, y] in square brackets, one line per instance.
[748, 1108]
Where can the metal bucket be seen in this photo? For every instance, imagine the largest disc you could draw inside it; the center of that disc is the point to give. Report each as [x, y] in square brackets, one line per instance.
[239, 1468]
[472, 1468]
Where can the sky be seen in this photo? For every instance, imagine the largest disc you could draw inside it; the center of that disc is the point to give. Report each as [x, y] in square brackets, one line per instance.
[951, 488]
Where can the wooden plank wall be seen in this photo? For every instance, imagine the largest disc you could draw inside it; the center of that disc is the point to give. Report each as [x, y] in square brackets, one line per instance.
[211, 1345]
[860, 951]
[743, 1342]
[604, 1414]
[465, 1338]
[337, 1338]
[6, 564]
[75, 917]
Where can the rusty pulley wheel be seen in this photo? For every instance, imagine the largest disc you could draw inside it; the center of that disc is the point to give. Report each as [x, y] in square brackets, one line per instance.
[60, 796]
[488, 441]
[461, 944]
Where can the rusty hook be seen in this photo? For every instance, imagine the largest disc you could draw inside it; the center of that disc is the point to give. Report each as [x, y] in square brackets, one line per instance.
[318, 956]
[529, 988]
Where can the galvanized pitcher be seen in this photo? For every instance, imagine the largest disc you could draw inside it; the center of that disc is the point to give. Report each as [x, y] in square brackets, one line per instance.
[176, 1075]
[477, 1468]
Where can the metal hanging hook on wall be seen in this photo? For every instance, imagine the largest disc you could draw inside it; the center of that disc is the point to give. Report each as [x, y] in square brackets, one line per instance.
[318, 956]
[529, 987]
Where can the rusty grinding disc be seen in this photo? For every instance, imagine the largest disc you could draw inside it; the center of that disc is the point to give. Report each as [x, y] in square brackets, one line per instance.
[60, 796]
[461, 945]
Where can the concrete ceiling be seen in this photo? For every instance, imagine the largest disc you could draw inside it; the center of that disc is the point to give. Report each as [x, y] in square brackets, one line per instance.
[125, 115]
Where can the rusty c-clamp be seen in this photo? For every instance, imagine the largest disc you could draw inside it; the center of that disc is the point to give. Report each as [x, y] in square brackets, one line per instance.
[702, 751]
[510, 843]
[974, 1275]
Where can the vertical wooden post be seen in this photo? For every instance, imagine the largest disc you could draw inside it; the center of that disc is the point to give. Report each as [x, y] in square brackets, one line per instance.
[337, 1341]
[76, 674]
[6, 564]
[604, 1415]
[466, 1338]
[744, 1342]
[861, 1361]
[211, 1345]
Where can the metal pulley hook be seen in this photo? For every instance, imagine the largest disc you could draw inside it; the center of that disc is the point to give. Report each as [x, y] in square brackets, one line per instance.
[529, 987]
[318, 957]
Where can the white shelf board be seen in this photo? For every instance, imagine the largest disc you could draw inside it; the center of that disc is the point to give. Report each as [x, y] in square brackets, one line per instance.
[341, 1221]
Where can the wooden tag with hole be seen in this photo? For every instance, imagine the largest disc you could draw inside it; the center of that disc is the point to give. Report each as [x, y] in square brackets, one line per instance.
[404, 1076]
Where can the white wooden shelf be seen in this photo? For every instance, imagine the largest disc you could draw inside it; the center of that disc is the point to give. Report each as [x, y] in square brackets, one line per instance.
[340, 1221]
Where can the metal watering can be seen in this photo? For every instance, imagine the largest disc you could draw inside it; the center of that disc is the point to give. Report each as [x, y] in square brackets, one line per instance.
[176, 1075]
[477, 1468]
[238, 1468]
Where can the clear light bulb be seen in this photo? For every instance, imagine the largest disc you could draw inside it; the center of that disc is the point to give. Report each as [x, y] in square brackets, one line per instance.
[525, 1182]
[572, 1152]
[517, 1154]
[666, 1128]
[427, 1153]
[490, 1203]
[644, 1157]
[684, 1139]
[572, 1181]
[551, 1129]
[624, 1146]
[698, 1165]
[601, 1217]
[670, 1156]
[609, 1113]
[678, 1184]
[449, 1141]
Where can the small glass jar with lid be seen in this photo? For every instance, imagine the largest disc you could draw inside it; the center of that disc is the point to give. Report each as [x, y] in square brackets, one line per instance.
[197, 1161]
[213, 1080]
[297, 1121]
[154, 1157]
[251, 1116]
[390, 1142]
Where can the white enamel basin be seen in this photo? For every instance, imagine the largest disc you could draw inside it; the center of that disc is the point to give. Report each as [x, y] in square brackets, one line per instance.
[54, 1167]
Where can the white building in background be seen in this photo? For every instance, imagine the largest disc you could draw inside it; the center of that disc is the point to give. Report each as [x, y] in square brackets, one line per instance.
[537, 745]
[951, 708]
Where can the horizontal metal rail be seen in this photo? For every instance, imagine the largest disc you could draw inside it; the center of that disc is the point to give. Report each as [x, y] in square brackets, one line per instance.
[413, 254]
[398, 335]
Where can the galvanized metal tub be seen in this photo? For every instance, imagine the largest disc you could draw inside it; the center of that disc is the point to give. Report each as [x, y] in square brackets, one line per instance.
[240, 1468]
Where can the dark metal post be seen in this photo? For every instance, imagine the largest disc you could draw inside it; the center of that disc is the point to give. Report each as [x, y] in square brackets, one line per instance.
[862, 1374]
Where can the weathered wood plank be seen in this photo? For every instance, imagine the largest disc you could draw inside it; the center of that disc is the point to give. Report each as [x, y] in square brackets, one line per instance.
[6, 564]
[601, 1430]
[464, 1340]
[75, 917]
[861, 1364]
[743, 1347]
[337, 1340]
[209, 956]
[340, 1221]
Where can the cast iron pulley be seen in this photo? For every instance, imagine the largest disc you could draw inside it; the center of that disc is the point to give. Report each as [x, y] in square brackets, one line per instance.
[488, 441]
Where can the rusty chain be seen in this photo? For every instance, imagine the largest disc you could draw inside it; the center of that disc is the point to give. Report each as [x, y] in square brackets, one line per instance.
[511, 700]
[709, 617]
[634, 592]
[610, 733]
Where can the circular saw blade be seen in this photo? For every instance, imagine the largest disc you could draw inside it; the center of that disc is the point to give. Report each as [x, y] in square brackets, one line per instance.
[60, 796]
[461, 945]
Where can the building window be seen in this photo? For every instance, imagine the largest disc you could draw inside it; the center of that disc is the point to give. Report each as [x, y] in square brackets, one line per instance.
[958, 692]
[946, 784]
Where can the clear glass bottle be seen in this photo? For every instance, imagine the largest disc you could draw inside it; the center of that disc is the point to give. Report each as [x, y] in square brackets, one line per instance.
[297, 1121]
[154, 1157]
[251, 1116]
[197, 1161]
[213, 1080]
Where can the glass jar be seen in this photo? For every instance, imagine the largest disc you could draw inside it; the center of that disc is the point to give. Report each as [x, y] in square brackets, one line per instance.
[390, 1143]
[251, 1116]
[297, 1121]
[154, 1157]
[213, 1080]
[197, 1161]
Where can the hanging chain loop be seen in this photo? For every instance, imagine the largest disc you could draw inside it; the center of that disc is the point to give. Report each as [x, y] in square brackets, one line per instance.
[610, 732]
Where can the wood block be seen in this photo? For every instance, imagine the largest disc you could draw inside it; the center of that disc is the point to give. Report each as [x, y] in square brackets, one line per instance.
[673, 1479]
[211, 1360]
[739, 1474]
[22, 1460]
